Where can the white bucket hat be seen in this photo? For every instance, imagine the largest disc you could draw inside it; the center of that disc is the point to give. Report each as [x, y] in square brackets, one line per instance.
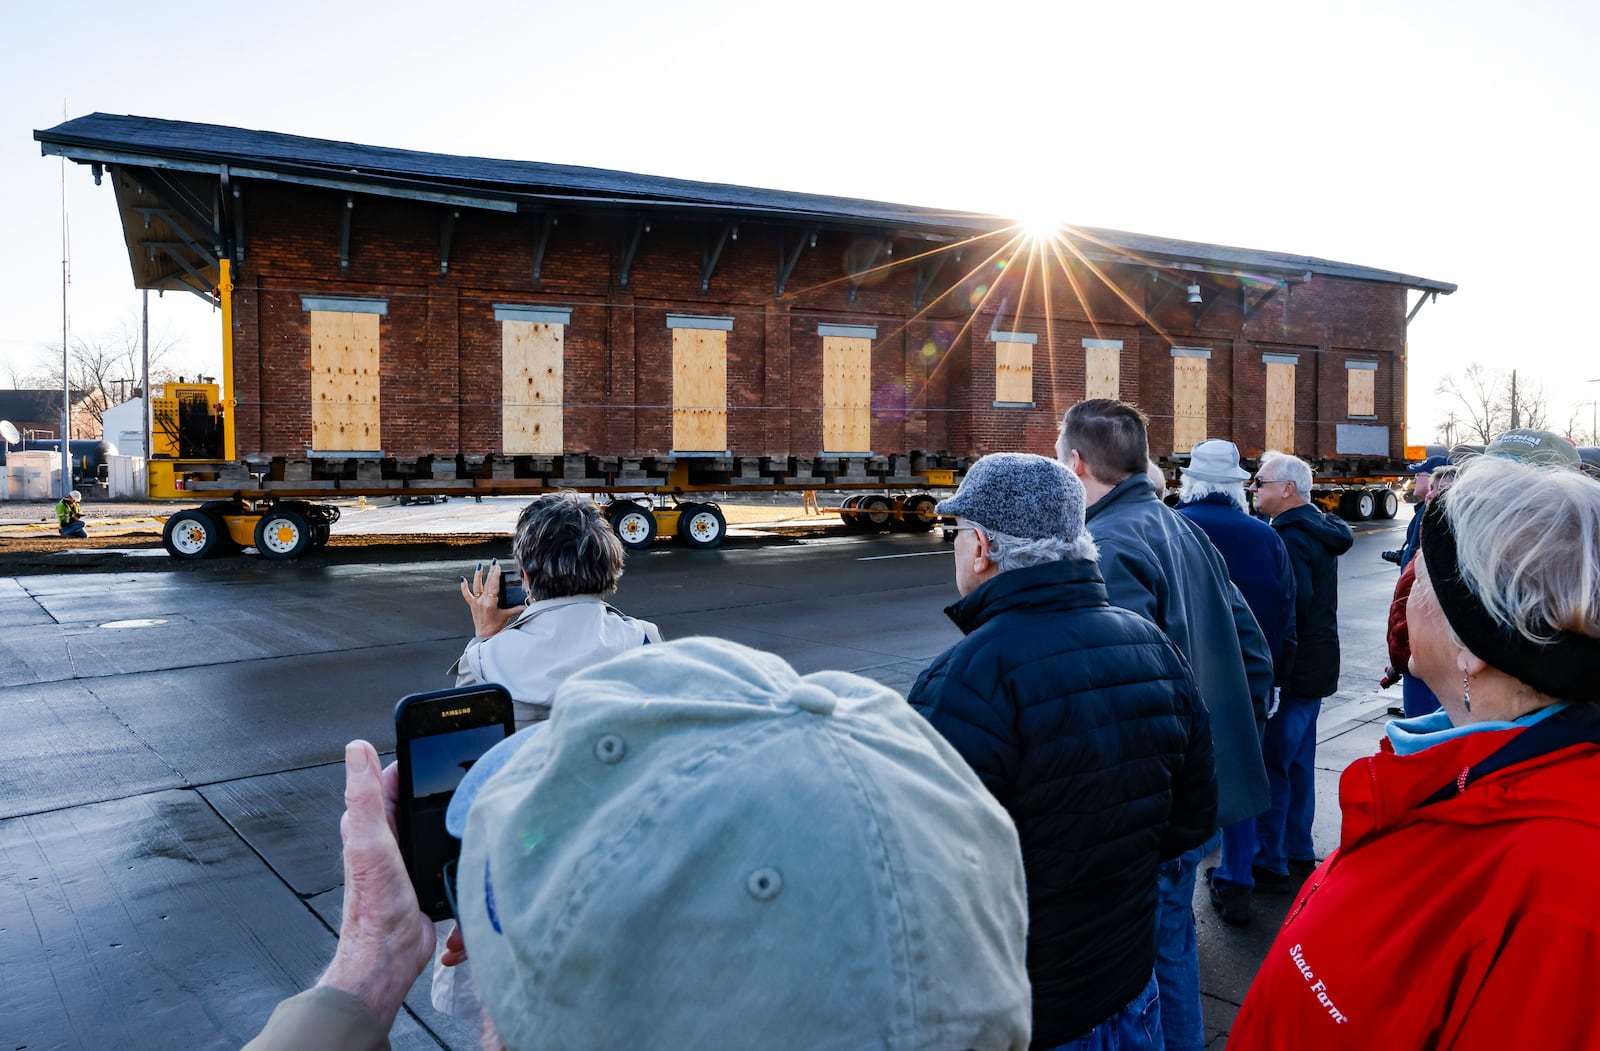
[1215, 460]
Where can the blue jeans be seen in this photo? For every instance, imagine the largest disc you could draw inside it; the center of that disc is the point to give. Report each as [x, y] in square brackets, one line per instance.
[1137, 1027]
[1418, 699]
[1290, 753]
[1238, 853]
[1177, 955]
[74, 529]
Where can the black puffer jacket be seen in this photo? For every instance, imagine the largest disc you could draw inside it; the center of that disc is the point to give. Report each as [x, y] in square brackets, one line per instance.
[1085, 723]
[1315, 541]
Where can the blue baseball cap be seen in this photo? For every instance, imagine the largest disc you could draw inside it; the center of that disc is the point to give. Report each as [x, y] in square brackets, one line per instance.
[488, 764]
[1431, 464]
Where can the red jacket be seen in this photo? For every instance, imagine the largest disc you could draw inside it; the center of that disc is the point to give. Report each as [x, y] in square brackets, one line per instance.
[1472, 923]
[1399, 633]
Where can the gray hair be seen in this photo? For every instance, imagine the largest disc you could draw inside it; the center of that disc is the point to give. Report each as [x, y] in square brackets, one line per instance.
[1191, 489]
[1528, 541]
[1289, 468]
[565, 547]
[1158, 479]
[1011, 552]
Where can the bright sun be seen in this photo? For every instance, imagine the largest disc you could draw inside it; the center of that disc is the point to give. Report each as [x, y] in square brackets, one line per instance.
[1042, 227]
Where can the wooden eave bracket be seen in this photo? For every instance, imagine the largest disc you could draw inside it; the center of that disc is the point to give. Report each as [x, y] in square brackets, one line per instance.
[787, 263]
[344, 231]
[631, 249]
[709, 253]
[541, 242]
[1426, 297]
[447, 230]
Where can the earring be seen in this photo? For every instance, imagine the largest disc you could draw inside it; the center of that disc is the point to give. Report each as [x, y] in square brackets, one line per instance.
[1466, 693]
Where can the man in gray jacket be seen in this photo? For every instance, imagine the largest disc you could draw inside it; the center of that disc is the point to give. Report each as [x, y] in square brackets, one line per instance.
[1161, 566]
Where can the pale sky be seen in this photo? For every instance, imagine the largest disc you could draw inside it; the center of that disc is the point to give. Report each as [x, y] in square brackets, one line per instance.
[1457, 141]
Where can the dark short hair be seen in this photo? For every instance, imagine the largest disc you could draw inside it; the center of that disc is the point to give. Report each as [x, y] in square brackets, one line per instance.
[1110, 436]
[565, 547]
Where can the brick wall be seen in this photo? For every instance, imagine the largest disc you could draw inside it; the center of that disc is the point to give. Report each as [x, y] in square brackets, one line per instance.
[933, 366]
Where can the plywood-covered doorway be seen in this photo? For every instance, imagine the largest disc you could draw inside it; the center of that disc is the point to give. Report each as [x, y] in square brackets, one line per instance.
[1188, 397]
[699, 383]
[847, 388]
[345, 382]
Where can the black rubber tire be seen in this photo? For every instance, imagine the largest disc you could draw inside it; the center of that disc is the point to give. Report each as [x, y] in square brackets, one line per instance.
[1366, 504]
[192, 534]
[634, 525]
[917, 513]
[847, 514]
[702, 525]
[219, 510]
[1388, 504]
[283, 533]
[876, 514]
[320, 532]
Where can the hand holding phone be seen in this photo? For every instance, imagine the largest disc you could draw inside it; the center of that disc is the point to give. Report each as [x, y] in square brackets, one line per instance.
[438, 736]
[487, 594]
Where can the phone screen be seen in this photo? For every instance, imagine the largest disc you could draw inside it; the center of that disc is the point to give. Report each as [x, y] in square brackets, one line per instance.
[438, 736]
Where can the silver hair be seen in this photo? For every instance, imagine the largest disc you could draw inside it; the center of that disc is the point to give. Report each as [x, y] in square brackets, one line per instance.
[1528, 541]
[1013, 552]
[1289, 468]
[564, 547]
[1191, 489]
[1158, 479]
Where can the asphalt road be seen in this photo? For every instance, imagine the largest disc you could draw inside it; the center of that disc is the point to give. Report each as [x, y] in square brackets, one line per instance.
[171, 788]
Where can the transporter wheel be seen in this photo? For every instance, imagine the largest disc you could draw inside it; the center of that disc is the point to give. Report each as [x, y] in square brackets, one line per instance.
[191, 534]
[847, 514]
[1388, 504]
[876, 514]
[283, 533]
[701, 525]
[635, 525]
[917, 514]
[320, 534]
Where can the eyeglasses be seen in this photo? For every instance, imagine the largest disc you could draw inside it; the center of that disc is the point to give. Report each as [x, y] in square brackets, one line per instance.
[1257, 483]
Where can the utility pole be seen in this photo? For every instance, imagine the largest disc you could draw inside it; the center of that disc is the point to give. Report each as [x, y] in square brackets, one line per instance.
[1514, 424]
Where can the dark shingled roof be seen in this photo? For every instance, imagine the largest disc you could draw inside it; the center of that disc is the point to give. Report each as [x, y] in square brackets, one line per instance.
[183, 145]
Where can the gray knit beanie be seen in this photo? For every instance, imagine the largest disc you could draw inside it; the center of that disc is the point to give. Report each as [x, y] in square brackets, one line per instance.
[1021, 495]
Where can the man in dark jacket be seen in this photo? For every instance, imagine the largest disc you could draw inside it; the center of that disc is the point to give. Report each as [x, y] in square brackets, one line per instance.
[1212, 497]
[1084, 722]
[1315, 541]
[1159, 565]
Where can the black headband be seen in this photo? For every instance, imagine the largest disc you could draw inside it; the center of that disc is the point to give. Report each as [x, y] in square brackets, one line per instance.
[1564, 667]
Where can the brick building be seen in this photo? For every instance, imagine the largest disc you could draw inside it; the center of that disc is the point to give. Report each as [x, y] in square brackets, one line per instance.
[393, 304]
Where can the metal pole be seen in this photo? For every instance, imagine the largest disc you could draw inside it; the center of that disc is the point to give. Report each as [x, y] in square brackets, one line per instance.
[66, 378]
[144, 381]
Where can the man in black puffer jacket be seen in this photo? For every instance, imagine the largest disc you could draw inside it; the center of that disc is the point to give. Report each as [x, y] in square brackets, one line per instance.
[1086, 724]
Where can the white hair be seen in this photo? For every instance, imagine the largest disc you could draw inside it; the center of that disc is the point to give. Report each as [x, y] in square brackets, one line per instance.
[1158, 479]
[1013, 552]
[1528, 541]
[1289, 468]
[1191, 489]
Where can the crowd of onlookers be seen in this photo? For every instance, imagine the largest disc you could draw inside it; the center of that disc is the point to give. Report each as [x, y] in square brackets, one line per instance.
[690, 845]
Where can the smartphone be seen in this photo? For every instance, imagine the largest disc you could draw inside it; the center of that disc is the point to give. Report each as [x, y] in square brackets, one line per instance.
[438, 736]
[512, 593]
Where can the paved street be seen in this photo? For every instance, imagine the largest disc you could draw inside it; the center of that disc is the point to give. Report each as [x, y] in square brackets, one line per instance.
[171, 789]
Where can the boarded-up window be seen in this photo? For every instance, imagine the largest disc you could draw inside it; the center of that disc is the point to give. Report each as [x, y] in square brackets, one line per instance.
[344, 382]
[846, 393]
[1188, 397]
[1102, 368]
[699, 383]
[1013, 367]
[1280, 401]
[531, 399]
[1360, 376]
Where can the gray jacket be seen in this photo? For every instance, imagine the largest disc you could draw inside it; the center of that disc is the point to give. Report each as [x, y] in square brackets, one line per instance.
[1161, 566]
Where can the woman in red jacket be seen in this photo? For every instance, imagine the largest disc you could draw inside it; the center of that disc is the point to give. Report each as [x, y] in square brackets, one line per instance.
[1460, 910]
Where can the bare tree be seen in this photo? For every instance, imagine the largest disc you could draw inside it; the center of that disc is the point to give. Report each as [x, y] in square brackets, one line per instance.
[107, 370]
[1479, 394]
[1529, 404]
